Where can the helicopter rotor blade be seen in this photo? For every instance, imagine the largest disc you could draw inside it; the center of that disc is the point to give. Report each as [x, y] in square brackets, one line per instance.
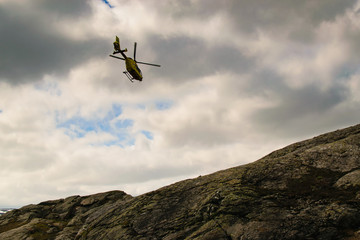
[117, 57]
[135, 50]
[151, 64]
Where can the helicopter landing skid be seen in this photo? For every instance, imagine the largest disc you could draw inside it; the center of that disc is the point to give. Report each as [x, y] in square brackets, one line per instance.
[129, 76]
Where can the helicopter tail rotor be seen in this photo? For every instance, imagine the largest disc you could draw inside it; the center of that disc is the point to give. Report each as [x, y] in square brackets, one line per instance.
[117, 48]
[117, 45]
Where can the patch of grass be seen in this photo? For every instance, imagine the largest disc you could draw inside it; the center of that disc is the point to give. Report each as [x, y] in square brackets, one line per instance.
[39, 231]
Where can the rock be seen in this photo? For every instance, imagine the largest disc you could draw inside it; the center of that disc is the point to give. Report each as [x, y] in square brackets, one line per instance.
[55, 219]
[308, 190]
[351, 179]
[87, 201]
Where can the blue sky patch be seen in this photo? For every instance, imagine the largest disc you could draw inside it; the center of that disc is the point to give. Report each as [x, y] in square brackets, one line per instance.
[124, 123]
[163, 105]
[116, 110]
[148, 135]
[78, 127]
[107, 3]
[158, 104]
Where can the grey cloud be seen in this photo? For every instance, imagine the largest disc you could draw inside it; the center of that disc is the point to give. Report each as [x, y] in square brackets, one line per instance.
[249, 15]
[246, 17]
[203, 134]
[30, 48]
[185, 58]
[320, 11]
[262, 13]
[68, 8]
[296, 18]
[298, 106]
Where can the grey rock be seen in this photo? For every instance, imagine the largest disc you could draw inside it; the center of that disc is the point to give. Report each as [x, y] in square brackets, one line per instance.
[351, 179]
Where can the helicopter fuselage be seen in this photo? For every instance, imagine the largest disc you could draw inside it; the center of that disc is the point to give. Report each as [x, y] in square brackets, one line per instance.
[133, 69]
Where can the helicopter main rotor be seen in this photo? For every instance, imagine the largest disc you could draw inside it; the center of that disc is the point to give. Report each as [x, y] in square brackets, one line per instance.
[151, 64]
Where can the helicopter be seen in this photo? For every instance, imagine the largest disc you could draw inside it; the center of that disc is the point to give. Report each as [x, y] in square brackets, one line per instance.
[133, 71]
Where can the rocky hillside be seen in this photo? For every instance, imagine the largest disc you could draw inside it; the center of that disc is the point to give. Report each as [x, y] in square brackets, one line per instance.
[308, 190]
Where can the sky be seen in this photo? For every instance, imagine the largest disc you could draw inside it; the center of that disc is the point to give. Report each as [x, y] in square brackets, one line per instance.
[238, 80]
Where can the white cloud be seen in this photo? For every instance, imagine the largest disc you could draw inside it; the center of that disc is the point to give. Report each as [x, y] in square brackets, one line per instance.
[34, 145]
[354, 87]
[241, 88]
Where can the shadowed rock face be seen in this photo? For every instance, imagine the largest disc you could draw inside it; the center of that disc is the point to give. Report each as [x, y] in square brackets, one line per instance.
[308, 190]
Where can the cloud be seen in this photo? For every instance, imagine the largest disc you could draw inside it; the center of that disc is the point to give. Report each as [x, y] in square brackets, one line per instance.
[32, 46]
[201, 59]
[238, 80]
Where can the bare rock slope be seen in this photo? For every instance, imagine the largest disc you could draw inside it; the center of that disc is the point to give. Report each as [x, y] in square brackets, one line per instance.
[308, 190]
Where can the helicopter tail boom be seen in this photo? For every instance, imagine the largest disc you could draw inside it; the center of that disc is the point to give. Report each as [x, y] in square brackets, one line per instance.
[117, 57]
